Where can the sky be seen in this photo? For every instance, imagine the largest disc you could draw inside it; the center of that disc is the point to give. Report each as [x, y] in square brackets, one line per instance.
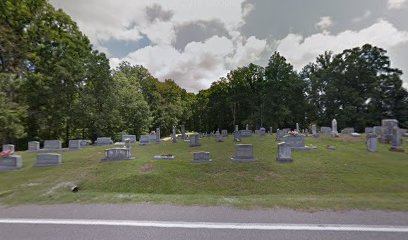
[195, 42]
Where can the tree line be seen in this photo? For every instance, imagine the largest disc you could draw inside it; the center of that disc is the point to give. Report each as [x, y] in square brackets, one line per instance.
[54, 85]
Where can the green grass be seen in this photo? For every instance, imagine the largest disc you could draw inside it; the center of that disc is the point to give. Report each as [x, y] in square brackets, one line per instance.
[347, 178]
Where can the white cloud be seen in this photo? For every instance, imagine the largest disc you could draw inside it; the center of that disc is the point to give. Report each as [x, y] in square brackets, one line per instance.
[300, 50]
[396, 4]
[324, 23]
[200, 63]
[366, 15]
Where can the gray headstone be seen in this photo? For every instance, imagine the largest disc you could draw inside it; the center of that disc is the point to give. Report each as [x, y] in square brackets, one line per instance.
[52, 144]
[33, 146]
[245, 133]
[396, 140]
[348, 130]
[246, 127]
[219, 136]
[74, 144]
[377, 130]
[132, 138]
[11, 162]
[262, 131]
[174, 136]
[199, 157]
[314, 131]
[48, 159]
[113, 154]
[194, 140]
[243, 153]
[9, 147]
[369, 130]
[144, 140]
[236, 128]
[334, 127]
[157, 135]
[387, 128]
[183, 132]
[224, 133]
[296, 142]
[371, 142]
[297, 128]
[279, 135]
[270, 130]
[284, 152]
[102, 141]
[237, 136]
[325, 130]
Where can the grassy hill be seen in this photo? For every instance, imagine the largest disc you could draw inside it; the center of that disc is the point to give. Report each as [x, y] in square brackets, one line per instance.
[346, 178]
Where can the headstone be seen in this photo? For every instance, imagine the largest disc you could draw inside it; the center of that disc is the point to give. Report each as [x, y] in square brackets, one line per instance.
[11, 162]
[247, 127]
[52, 144]
[48, 159]
[224, 133]
[218, 136]
[314, 131]
[325, 130]
[396, 140]
[199, 157]
[85, 143]
[262, 131]
[9, 147]
[279, 135]
[306, 132]
[286, 130]
[144, 140]
[174, 136]
[348, 130]
[296, 142]
[194, 140]
[368, 130]
[243, 153]
[132, 138]
[377, 130]
[387, 129]
[284, 152]
[74, 144]
[270, 130]
[236, 128]
[334, 131]
[237, 136]
[152, 137]
[403, 131]
[113, 154]
[183, 132]
[102, 141]
[33, 146]
[297, 128]
[371, 142]
[245, 133]
[157, 135]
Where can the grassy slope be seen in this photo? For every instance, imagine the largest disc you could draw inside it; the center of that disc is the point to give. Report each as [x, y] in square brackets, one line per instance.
[349, 177]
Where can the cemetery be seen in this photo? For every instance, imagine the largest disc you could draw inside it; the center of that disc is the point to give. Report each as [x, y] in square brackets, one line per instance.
[252, 170]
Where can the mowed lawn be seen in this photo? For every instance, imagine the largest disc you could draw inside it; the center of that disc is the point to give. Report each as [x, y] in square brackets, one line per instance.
[346, 178]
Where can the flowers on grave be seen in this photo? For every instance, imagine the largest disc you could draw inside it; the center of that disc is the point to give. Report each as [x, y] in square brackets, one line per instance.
[6, 153]
[294, 133]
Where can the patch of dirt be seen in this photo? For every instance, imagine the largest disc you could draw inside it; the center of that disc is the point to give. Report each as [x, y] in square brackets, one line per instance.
[260, 178]
[349, 138]
[147, 167]
[61, 185]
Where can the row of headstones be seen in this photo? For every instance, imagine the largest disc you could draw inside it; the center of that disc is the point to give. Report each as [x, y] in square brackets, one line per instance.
[56, 145]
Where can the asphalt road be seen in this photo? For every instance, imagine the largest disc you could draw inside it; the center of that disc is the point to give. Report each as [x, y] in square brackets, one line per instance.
[147, 221]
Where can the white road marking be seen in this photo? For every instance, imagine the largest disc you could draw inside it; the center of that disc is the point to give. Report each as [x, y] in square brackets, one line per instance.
[210, 225]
